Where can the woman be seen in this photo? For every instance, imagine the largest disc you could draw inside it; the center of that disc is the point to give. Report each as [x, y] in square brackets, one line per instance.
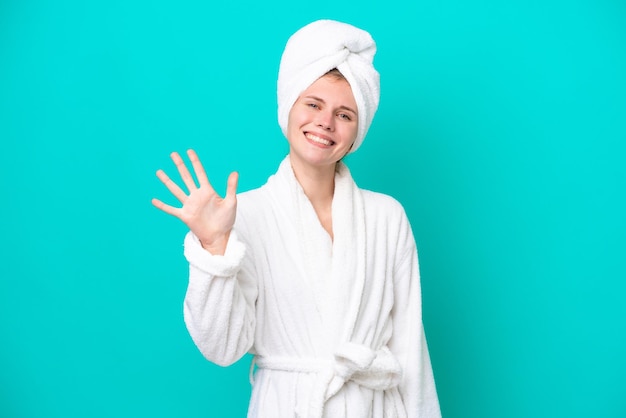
[317, 278]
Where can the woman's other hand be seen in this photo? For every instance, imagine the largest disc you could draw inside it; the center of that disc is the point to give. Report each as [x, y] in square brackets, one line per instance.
[209, 216]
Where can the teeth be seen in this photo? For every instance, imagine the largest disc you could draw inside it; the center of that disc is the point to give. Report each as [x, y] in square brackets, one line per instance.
[319, 140]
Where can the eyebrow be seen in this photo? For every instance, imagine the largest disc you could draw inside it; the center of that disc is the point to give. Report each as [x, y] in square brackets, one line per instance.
[322, 101]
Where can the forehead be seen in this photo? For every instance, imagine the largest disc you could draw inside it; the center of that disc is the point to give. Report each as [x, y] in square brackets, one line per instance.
[331, 89]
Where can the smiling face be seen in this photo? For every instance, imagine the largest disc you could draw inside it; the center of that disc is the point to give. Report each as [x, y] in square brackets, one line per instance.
[322, 123]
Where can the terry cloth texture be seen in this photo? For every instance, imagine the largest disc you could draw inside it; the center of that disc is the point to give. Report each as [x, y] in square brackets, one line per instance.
[335, 325]
[318, 48]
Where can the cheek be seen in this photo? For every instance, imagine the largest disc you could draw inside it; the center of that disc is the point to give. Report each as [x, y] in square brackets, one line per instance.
[290, 123]
[293, 121]
[351, 133]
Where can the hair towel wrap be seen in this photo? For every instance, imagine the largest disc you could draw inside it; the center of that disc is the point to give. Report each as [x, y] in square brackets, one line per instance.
[316, 49]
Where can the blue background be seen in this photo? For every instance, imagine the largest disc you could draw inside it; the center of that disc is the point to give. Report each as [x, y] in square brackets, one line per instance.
[501, 129]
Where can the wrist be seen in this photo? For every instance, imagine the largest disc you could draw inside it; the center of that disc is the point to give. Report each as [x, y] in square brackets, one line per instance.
[215, 245]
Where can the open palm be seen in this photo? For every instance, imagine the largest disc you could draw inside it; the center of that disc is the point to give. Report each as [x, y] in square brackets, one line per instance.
[209, 216]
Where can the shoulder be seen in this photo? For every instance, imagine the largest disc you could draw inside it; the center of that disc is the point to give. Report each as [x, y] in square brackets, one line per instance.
[252, 202]
[251, 196]
[381, 204]
[388, 222]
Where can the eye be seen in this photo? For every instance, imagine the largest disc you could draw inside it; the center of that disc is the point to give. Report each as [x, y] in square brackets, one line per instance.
[344, 116]
[313, 105]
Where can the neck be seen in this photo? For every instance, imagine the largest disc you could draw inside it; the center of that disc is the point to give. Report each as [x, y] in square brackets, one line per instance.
[318, 183]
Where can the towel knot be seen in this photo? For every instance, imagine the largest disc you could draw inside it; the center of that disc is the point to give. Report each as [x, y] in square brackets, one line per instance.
[377, 370]
[373, 369]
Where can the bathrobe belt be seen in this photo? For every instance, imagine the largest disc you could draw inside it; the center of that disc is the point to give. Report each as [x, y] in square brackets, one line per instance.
[373, 369]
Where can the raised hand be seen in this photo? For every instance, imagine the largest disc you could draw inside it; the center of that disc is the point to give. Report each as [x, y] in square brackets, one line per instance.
[209, 216]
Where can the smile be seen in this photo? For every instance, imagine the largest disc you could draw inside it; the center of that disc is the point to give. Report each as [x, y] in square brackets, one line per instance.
[318, 140]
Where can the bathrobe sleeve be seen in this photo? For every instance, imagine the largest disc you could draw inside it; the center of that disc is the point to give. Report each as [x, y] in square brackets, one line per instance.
[408, 341]
[219, 309]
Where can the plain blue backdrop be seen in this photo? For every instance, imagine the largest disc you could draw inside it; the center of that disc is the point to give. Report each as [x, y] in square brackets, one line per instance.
[501, 129]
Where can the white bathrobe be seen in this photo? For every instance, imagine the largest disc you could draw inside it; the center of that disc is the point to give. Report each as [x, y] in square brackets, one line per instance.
[335, 326]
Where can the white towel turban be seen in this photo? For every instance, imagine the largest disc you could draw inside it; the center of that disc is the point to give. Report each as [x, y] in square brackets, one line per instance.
[318, 48]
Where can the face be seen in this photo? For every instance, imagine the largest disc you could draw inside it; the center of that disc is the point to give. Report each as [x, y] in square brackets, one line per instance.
[322, 123]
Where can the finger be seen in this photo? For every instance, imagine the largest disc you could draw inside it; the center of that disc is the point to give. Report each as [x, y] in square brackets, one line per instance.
[170, 210]
[231, 188]
[171, 186]
[198, 168]
[185, 175]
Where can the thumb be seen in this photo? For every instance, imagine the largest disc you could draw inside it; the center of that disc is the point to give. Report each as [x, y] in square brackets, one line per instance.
[231, 188]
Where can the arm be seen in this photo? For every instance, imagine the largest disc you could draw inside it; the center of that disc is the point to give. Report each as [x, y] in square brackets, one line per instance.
[408, 342]
[219, 304]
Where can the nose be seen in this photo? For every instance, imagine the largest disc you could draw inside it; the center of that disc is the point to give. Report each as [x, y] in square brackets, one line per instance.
[325, 120]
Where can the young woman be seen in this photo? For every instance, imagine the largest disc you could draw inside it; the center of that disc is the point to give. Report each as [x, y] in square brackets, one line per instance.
[317, 278]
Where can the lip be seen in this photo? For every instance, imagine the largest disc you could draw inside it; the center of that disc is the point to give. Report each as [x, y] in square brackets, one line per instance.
[308, 134]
